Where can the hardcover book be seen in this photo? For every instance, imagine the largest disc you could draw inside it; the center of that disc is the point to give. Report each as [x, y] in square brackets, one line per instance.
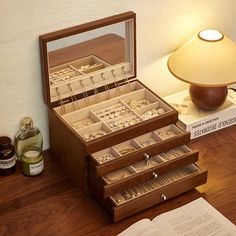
[200, 122]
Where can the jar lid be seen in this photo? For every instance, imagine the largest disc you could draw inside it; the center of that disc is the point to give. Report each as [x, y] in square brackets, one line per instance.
[32, 155]
[32, 152]
[5, 142]
[26, 123]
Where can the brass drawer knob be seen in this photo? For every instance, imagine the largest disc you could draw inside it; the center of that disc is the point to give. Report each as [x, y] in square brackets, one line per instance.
[163, 197]
[146, 159]
[155, 175]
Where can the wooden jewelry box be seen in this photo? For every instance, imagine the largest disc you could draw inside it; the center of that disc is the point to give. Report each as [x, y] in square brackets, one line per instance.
[109, 133]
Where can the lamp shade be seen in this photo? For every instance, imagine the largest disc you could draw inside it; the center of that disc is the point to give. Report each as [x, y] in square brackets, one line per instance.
[207, 60]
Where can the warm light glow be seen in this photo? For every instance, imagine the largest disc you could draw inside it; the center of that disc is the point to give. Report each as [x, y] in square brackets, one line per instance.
[210, 35]
[207, 59]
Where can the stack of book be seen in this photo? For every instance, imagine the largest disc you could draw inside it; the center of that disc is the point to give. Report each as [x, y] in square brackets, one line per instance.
[200, 122]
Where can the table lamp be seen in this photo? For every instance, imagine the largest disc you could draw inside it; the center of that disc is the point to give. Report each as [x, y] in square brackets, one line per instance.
[208, 63]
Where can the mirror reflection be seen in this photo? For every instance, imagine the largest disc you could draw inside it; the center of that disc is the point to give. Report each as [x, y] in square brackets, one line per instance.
[74, 56]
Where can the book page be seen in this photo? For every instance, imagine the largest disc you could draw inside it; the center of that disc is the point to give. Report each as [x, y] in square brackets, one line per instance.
[143, 227]
[197, 218]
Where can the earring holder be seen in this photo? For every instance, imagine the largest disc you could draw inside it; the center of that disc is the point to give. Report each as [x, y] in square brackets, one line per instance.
[94, 88]
[105, 86]
[62, 106]
[73, 98]
[85, 94]
[123, 72]
[115, 80]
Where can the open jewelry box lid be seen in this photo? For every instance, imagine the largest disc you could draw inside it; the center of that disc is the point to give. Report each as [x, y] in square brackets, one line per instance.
[89, 58]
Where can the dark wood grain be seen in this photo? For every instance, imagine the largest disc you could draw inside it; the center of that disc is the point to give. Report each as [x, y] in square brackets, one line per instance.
[50, 204]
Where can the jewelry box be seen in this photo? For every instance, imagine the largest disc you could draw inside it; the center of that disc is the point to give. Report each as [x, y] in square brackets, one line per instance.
[109, 133]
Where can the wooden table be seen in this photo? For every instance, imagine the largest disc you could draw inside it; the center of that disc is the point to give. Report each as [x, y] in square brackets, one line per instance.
[50, 204]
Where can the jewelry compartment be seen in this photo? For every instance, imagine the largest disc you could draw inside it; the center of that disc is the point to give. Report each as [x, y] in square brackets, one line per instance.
[83, 119]
[148, 169]
[151, 192]
[148, 163]
[168, 132]
[62, 73]
[67, 72]
[141, 99]
[89, 64]
[119, 175]
[174, 153]
[138, 149]
[148, 139]
[94, 131]
[152, 110]
[117, 114]
[98, 98]
[106, 155]
[113, 112]
[126, 147]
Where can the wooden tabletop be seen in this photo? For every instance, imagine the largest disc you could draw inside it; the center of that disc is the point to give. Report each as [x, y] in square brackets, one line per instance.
[50, 204]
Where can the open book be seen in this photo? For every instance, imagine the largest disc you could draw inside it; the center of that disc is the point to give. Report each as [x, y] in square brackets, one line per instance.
[197, 218]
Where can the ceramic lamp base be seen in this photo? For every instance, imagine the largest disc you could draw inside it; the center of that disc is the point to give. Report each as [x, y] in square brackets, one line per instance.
[208, 98]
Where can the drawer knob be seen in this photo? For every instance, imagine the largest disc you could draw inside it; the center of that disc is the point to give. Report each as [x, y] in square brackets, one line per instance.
[163, 197]
[155, 175]
[146, 159]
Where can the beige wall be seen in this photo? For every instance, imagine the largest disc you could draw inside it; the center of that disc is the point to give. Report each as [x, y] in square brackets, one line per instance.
[162, 26]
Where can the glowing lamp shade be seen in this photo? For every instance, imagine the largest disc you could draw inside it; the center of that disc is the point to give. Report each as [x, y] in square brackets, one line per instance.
[208, 63]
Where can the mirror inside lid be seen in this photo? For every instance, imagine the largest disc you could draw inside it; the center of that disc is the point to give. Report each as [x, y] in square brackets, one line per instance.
[88, 58]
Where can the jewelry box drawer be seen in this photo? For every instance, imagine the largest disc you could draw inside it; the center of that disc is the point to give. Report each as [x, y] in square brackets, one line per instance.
[137, 149]
[119, 117]
[144, 170]
[152, 192]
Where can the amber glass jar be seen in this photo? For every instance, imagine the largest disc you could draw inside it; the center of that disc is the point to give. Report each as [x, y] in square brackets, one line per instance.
[7, 156]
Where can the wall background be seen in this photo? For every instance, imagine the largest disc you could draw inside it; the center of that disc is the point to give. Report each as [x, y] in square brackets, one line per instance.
[162, 26]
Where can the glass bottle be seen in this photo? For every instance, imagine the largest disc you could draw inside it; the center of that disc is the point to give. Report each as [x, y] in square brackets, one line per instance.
[7, 156]
[28, 137]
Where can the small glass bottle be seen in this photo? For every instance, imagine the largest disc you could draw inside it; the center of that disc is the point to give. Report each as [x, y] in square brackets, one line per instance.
[28, 137]
[7, 156]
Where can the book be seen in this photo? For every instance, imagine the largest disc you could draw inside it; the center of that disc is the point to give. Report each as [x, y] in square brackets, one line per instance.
[197, 218]
[200, 122]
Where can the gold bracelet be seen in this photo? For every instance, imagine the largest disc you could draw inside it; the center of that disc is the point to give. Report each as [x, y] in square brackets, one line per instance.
[126, 151]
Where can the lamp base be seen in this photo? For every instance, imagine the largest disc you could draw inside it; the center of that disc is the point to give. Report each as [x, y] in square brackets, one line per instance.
[208, 98]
